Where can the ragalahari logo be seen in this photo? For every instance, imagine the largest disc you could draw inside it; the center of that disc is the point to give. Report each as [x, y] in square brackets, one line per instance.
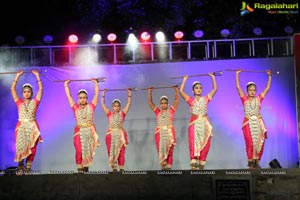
[246, 9]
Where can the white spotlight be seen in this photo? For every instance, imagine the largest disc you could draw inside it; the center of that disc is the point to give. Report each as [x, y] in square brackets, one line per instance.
[160, 36]
[96, 38]
[132, 42]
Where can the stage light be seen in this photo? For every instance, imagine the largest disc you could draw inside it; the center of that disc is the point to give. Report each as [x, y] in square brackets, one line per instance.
[132, 42]
[111, 37]
[257, 31]
[275, 164]
[20, 39]
[288, 30]
[178, 35]
[145, 36]
[73, 38]
[225, 33]
[198, 34]
[48, 39]
[160, 36]
[96, 38]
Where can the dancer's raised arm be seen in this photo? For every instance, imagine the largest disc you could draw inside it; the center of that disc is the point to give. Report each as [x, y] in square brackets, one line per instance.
[13, 85]
[238, 84]
[215, 87]
[184, 95]
[268, 86]
[68, 93]
[176, 98]
[104, 107]
[127, 106]
[150, 99]
[96, 92]
[38, 79]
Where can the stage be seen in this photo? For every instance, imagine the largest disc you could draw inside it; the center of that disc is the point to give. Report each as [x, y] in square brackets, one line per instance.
[226, 177]
[208, 184]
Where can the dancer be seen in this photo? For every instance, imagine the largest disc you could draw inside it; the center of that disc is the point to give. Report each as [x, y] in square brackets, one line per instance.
[165, 136]
[200, 128]
[253, 127]
[116, 136]
[85, 135]
[27, 131]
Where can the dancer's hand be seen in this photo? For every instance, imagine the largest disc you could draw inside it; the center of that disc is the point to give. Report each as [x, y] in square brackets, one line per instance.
[95, 80]
[19, 73]
[129, 92]
[35, 72]
[185, 77]
[269, 72]
[150, 89]
[104, 92]
[211, 74]
[238, 71]
[67, 83]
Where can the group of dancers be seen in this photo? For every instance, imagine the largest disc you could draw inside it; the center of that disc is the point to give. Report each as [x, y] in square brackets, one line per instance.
[27, 132]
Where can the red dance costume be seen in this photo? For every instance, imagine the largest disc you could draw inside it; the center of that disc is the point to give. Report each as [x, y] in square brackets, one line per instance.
[200, 129]
[27, 131]
[116, 138]
[253, 127]
[165, 136]
[85, 135]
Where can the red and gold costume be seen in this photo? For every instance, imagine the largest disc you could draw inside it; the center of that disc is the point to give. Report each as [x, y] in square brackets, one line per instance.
[116, 138]
[253, 127]
[27, 131]
[165, 136]
[85, 135]
[200, 129]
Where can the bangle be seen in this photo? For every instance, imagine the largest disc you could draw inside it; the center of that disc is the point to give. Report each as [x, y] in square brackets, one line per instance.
[39, 81]
[129, 96]
[14, 81]
[103, 96]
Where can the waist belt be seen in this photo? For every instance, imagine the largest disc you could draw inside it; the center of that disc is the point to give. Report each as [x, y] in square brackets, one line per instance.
[84, 125]
[253, 116]
[27, 120]
[165, 127]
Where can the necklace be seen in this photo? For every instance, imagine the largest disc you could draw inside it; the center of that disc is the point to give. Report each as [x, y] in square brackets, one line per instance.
[116, 116]
[26, 105]
[83, 112]
[164, 113]
[253, 103]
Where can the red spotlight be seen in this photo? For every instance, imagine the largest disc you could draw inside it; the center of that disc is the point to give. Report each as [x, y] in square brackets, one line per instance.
[73, 39]
[145, 36]
[112, 37]
[178, 35]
